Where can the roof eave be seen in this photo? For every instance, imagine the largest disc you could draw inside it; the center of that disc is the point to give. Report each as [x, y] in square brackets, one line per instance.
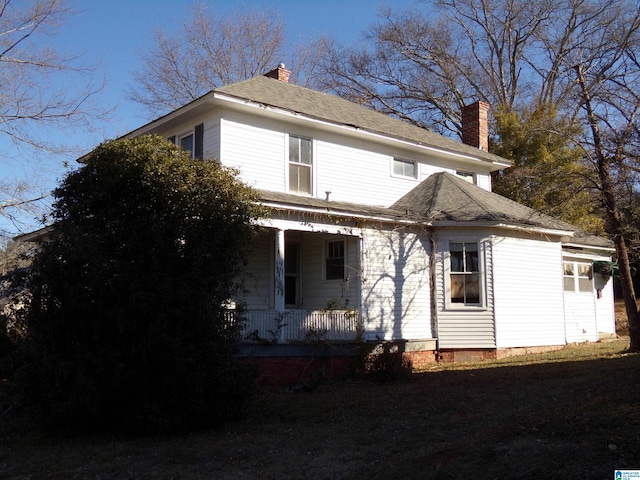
[590, 247]
[495, 164]
[506, 226]
[338, 212]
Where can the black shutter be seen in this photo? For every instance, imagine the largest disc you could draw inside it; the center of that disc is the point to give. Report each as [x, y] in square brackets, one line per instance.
[172, 139]
[198, 142]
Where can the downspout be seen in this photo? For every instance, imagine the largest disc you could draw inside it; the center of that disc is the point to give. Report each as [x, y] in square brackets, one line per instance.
[433, 245]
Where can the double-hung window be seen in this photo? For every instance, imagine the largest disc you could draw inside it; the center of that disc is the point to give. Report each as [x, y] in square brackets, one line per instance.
[334, 261]
[465, 274]
[300, 165]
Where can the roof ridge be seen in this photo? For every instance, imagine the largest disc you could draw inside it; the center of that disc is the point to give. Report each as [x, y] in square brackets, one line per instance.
[457, 182]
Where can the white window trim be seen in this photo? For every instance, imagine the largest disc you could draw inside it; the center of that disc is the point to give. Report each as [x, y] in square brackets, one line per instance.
[313, 164]
[576, 277]
[449, 305]
[325, 251]
[467, 176]
[179, 138]
[416, 168]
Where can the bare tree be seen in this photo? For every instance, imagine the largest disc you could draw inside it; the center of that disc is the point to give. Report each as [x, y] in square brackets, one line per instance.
[608, 80]
[578, 60]
[35, 91]
[212, 50]
[424, 65]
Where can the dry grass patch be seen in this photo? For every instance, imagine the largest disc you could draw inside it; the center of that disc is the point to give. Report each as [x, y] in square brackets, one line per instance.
[572, 413]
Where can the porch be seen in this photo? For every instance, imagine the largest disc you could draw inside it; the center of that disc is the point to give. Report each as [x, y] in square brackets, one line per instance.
[299, 326]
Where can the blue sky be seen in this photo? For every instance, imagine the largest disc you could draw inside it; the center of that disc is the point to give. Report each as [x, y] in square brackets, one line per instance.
[114, 33]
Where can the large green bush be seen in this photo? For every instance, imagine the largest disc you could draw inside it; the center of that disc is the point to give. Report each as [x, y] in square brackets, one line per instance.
[126, 316]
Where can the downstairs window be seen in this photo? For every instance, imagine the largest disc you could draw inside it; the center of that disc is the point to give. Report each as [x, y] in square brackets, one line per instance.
[465, 274]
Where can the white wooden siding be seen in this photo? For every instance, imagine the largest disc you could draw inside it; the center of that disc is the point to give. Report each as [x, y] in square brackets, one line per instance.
[580, 317]
[483, 180]
[395, 284]
[357, 175]
[529, 303]
[350, 169]
[605, 311]
[258, 280]
[211, 138]
[258, 152]
[459, 326]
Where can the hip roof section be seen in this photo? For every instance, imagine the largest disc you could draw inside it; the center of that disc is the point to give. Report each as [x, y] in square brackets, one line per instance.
[331, 108]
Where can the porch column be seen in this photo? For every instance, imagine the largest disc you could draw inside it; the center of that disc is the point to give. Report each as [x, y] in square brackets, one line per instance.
[279, 272]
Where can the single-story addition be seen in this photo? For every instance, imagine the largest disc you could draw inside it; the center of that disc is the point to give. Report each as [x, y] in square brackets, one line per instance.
[384, 232]
[449, 272]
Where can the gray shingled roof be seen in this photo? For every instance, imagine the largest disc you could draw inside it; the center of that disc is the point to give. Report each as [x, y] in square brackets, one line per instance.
[320, 205]
[444, 197]
[318, 105]
[447, 197]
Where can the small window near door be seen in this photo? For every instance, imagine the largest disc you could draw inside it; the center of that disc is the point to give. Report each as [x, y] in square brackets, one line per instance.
[465, 274]
[569, 280]
[334, 264]
[578, 277]
[292, 275]
[585, 277]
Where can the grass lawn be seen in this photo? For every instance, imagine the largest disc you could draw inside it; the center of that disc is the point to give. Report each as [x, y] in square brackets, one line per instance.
[574, 413]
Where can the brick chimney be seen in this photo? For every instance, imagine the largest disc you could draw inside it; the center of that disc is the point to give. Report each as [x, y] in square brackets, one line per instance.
[279, 73]
[475, 125]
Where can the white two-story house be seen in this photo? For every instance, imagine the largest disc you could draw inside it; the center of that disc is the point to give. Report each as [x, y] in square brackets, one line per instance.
[383, 231]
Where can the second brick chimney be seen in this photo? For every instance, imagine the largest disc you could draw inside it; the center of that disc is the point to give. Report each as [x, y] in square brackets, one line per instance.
[475, 125]
[280, 73]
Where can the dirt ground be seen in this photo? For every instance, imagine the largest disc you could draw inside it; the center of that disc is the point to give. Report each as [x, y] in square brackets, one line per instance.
[569, 414]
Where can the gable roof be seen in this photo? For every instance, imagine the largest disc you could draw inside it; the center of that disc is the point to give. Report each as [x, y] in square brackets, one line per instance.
[331, 108]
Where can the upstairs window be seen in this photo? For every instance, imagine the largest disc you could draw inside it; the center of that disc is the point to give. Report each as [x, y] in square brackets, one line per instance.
[334, 262]
[192, 141]
[404, 168]
[186, 143]
[467, 176]
[465, 274]
[300, 165]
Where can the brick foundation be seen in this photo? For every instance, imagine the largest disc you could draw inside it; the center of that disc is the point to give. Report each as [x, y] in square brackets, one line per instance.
[466, 355]
[280, 365]
[422, 359]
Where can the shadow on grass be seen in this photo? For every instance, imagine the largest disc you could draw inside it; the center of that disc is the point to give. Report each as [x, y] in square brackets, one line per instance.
[548, 416]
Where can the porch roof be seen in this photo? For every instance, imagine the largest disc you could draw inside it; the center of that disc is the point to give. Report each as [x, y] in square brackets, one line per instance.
[443, 199]
[317, 205]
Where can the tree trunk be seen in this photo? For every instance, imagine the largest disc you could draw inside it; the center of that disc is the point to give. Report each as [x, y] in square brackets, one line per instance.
[613, 224]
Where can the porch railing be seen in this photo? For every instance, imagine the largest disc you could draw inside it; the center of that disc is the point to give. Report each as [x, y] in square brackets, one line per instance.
[269, 326]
